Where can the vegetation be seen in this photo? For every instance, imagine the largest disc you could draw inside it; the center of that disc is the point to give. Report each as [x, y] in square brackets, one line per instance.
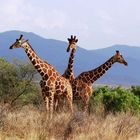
[17, 83]
[114, 112]
[115, 100]
[30, 123]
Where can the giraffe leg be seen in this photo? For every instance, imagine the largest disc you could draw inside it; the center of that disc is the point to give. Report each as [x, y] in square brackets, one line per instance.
[86, 104]
[69, 97]
[56, 104]
[47, 104]
[51, 103]
[44, 95]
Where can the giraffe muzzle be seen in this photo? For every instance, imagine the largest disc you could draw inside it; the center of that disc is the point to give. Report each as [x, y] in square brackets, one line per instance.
[125, 63]
[11, 47]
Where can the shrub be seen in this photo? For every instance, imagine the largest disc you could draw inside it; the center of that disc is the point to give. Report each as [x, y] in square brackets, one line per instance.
[136, 90]
[17, 82]
[115, 100]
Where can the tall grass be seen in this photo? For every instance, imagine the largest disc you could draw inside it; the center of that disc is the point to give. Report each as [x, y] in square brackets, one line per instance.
[31, 123]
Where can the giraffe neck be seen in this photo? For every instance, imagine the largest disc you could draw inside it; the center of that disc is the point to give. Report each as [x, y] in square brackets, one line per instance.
[69, 72]
[41, 66]
[91, 76]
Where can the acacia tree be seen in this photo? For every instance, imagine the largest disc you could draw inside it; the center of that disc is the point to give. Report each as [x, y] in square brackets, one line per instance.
[16, 79]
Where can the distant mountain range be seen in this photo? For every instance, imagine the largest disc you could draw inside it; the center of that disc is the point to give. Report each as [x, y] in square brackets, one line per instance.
[54, 51]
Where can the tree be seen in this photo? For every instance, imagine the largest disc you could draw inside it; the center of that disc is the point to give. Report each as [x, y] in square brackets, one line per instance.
[16, 79]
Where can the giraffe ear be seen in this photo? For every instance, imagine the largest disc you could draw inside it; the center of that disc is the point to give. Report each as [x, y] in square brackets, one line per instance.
[76, 40]
[69, 39]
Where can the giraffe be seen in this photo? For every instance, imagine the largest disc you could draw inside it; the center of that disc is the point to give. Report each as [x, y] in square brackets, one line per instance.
[55, 86]
[82, 84]
[69, 72]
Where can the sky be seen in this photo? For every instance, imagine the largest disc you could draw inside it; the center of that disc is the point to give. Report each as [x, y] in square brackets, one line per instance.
[96, 23]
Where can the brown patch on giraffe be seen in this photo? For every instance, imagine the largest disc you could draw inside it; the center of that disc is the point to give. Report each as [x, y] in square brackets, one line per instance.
[52, 79]
[54, 74]
[83, 79]
[103, 71]
[42, 65]
[101, 74]
[37, 61]
[107, 63]
[45, 66]
[58, 86]
[49, 82]
[30, 57]
[49, 72]
[72, 61]
[86, 74]
[87, 78]
[42, 73]
[37, 66]
[50, 98]
[95, 78]
[39, 70]
[36, 57]
[58, 91]
[95, 72]
[28, 54]
[91, 74]
[33, 54]
[46, 88]
[46, 76]
[99, 70]
[44, 70]
[97, 75]
[106, 68]
[62, 87]
[30, 51]
[47, 94]
[33, 61]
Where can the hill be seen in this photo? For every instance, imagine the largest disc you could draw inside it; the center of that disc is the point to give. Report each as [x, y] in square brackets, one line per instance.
[54, 51]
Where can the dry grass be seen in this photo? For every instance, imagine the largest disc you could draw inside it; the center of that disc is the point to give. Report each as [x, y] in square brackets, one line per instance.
[30, 123]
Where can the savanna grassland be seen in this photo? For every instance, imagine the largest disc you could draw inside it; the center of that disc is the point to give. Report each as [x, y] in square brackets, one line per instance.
[30, 123]
[114, 113]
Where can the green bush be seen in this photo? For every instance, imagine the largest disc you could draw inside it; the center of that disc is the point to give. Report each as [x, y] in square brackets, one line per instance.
[114, 100]
[136, 90]
[17, 83]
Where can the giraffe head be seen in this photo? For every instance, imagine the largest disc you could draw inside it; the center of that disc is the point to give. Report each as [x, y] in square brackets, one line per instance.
[72, 43]
[119, 58]
[19, 43]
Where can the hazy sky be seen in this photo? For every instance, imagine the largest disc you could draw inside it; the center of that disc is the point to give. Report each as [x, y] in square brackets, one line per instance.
[97, 23]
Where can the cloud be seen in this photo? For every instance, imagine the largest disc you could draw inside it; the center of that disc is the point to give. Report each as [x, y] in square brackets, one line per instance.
[96, 23]
[24, 15]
